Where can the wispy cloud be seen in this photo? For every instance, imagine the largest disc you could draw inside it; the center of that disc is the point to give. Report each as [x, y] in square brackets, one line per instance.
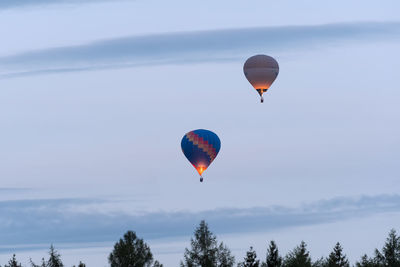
[7, 4]
[192, 47]
[13, 189]
[63, 220]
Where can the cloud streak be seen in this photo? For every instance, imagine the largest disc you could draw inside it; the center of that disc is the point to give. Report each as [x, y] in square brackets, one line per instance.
[7, 4]
[191, 47]
[64, 221]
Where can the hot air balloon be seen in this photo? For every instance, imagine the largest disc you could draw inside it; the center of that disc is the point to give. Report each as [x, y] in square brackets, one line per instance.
[200, 148]
[261, 71]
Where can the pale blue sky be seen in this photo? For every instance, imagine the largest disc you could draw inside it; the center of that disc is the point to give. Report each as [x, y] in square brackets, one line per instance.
[95, 97]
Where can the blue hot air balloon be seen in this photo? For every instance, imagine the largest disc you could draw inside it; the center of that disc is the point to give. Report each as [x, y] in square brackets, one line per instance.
[200, 148]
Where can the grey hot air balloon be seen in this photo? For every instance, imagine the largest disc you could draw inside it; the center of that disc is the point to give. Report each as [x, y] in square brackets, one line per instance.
[261, 71]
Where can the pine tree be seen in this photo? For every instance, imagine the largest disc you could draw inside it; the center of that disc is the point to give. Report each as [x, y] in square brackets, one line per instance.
[224, 256]
[391, 250]
[13, 262]
[54, 259]
[205, 251]
[273, 259]
[130, 251]
[81, 264]
[389, 257]
[157, 264]
[44, 264]
[337, 258]
[250, 260]
[299, 257]
[367, 262]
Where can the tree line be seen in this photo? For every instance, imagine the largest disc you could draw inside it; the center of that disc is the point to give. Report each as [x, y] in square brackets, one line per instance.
[206, 251]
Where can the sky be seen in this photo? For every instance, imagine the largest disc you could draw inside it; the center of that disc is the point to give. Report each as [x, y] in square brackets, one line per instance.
[96, 95]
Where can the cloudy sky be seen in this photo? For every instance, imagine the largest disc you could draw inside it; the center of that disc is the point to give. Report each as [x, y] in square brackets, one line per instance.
[96, 95]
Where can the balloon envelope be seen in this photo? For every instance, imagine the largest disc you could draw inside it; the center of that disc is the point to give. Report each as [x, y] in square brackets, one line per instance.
[261, 71]
[200, 148]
